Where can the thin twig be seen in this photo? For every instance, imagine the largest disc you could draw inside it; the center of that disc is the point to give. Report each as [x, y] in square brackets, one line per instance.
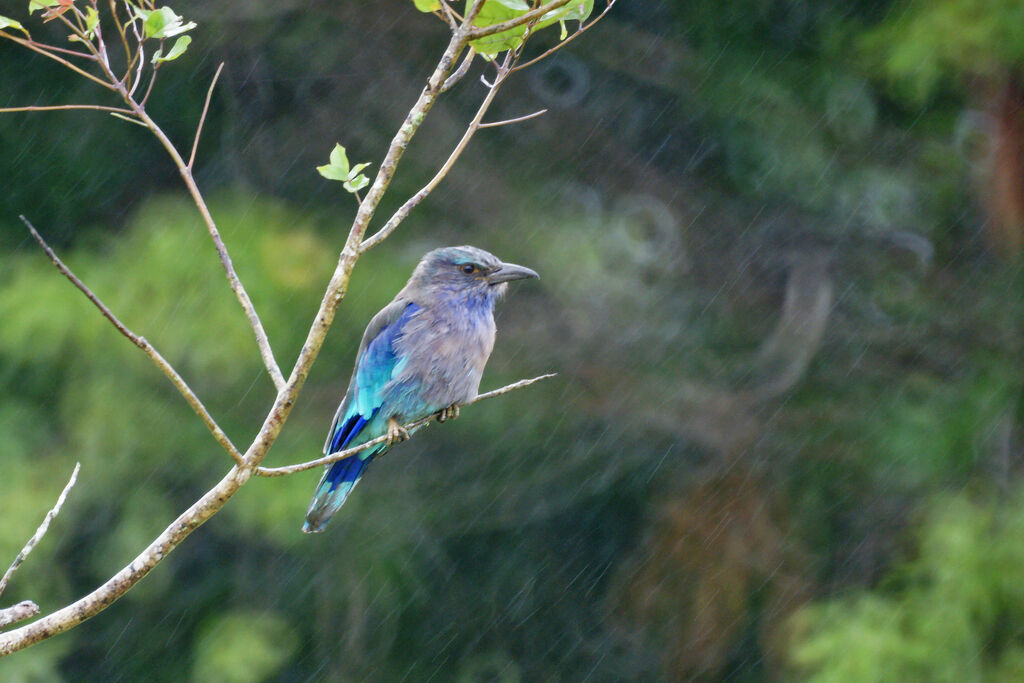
[152, 82]
[23, 610]
[202, 117]
[449, 16]
[519, 119]
[576, 34]
[525, 18]
[461, 72]
[41, 531]
[262, 341]
[341, 455]
[61, 107]
[67, 51]
[120, 31]
[45, 51]
[146, 347]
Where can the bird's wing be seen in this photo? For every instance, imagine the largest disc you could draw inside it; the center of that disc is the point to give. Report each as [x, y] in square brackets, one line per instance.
[376, 364]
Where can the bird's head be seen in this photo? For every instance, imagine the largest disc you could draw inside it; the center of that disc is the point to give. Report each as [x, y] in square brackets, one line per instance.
[467, 273]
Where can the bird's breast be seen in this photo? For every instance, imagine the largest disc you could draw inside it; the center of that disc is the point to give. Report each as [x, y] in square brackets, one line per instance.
[444, 351]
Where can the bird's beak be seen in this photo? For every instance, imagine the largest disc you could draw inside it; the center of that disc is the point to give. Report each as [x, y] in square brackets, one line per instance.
[510, 271]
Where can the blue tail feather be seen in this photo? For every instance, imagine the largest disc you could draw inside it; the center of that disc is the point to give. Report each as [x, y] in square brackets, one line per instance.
[334, 487]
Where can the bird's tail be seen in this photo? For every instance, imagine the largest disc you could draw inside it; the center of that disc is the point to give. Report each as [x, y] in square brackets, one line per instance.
[334, 487]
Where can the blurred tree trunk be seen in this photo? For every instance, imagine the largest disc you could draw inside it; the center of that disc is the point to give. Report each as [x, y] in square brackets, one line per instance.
[1003, 191]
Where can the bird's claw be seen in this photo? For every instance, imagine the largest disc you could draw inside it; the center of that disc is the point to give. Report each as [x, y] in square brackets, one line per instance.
[449, 413]
[396, 432]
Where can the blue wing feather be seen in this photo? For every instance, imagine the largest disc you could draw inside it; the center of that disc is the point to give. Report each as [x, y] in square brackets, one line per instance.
[374, 369]
[376, 365]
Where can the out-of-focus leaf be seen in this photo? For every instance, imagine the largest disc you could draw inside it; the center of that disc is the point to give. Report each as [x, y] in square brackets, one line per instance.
[427, 5]
[7, 22]
[92, 20]
[34, 5]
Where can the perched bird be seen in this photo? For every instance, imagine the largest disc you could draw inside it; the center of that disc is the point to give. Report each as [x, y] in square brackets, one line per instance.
[423, 353]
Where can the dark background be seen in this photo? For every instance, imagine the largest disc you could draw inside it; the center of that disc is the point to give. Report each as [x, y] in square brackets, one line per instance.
[779, 244]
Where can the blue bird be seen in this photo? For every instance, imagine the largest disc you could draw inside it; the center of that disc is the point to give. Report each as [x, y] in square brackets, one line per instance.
[423, 353]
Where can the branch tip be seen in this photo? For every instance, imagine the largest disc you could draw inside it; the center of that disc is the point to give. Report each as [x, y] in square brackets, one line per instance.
[38, 536]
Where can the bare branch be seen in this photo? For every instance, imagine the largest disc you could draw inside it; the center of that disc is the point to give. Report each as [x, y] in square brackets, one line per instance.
[225, 259]
[202, 117]
[341, 455]
[15, 613]
[525, 18]
[414, 201]
[146, 347]
[519, 119]
[41, 531]
[461, 72]
[580, 31]
[62, 107]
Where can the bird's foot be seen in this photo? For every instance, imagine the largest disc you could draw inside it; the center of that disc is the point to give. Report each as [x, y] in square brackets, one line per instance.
[449, 413]
[396, 432]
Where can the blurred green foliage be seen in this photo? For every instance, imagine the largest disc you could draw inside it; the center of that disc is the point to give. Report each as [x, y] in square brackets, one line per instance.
[926, 43]
[954, 612]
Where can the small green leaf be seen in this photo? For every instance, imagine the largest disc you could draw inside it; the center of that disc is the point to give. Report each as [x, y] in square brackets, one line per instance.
[177, 50]
[162, 23]
[332, 173]
[427, 5]
[35, 5]
[92, 20]
[339, 169]
[356, 184]
[339, 158]
[5, 22]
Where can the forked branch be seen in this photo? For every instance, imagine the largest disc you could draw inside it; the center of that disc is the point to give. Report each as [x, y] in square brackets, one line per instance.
[146, 347]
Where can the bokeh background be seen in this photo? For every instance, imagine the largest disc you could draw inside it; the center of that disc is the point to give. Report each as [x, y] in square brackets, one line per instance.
[780, 246]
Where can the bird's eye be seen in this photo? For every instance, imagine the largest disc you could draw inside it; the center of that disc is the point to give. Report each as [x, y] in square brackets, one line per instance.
[469, 269]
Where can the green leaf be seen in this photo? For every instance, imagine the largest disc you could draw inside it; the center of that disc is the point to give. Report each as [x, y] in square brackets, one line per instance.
[497, 11]
[356, 184]
[177, 50]
[339, 158]
[339, 169]
[427, 5]
[92, 20]
[162, 23]
[5, 22]
[34, 5]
